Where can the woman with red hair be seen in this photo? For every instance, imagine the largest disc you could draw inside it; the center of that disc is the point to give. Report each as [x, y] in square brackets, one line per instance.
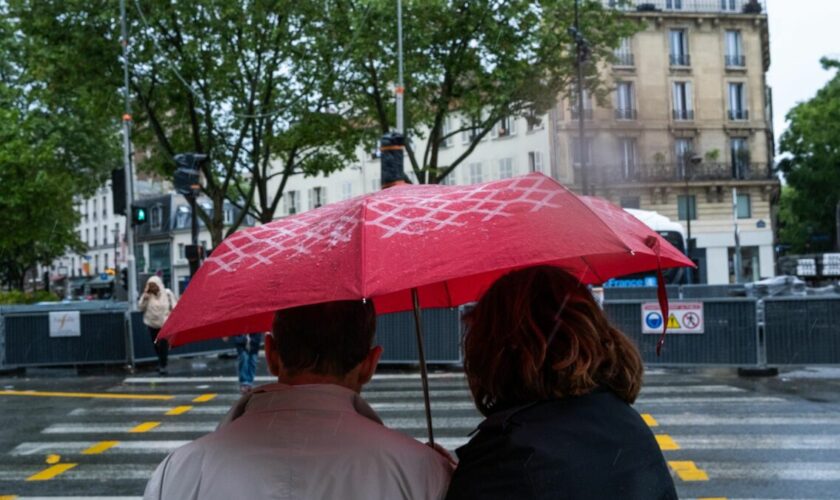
[555, 380]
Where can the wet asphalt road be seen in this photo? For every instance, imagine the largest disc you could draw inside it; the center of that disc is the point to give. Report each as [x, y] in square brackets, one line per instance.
[724, 436]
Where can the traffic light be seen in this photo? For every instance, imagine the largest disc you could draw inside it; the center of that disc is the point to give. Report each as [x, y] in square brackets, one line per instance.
[124, 278]
[118, 190]
[187, 175]
[139, 215]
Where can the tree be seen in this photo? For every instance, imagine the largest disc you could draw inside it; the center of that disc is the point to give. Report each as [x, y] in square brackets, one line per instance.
[52, 147]
[812, 169]
[468, 65]
[234, 81]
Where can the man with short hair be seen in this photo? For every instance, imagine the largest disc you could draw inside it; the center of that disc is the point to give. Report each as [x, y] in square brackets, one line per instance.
[310, 435]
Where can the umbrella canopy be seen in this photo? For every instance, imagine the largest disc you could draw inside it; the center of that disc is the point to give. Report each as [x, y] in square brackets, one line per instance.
[449, 243]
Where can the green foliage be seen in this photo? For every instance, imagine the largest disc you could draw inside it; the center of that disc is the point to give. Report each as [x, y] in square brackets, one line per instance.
[52, 147]
[812, 169]
[467, 63]
[19, 297]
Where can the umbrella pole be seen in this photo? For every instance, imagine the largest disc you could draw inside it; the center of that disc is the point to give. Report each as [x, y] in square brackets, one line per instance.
[424, 374]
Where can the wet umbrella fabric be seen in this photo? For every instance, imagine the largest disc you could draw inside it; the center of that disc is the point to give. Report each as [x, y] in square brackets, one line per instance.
[449, 243]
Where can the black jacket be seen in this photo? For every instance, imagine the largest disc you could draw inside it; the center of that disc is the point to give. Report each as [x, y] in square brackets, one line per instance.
[589, 447]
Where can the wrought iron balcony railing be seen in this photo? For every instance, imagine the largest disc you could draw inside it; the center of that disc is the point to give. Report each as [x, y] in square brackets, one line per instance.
[625, 114]
[739, 114]
[735, 61]
[624, 59]
[683, 114]
[708, 6]
[587, 113]
[680, 60]
[679, 172]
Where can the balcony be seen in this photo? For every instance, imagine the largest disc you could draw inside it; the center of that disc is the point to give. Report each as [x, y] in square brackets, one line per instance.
[680, 173]
[691, 6]
[683, 114]
[624, 59]
[680, 60]
[735, 61]
[739, 114]
[625, 114]
[587, 114]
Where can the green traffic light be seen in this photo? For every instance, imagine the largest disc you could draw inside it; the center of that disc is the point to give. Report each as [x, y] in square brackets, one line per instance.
[141, 215]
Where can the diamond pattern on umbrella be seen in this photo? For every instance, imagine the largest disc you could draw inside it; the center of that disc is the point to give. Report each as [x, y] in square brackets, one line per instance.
[400, 211]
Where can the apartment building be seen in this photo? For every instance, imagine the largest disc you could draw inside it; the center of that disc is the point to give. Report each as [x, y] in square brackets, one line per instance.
[687, 131]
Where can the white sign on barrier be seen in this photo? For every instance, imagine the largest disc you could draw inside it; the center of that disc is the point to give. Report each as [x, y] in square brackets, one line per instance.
[65, 324]
[683, 317]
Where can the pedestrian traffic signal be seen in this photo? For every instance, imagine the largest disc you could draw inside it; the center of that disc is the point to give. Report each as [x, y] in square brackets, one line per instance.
[139, 215]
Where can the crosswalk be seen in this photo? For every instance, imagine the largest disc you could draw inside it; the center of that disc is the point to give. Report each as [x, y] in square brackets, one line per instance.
[721, 439]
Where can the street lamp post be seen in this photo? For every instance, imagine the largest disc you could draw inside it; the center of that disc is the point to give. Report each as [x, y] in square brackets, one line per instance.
[581, 55]
[129, 172]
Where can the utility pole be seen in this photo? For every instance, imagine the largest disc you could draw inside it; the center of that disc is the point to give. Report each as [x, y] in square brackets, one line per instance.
[582, 54]
[129, 172]
[392, 144]
[737, 257]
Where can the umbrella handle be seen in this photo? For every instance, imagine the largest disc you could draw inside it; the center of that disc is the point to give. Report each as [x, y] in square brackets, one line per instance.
[424, 374]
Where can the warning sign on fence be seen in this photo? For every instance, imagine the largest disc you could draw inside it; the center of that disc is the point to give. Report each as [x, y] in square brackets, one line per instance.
[683, 317]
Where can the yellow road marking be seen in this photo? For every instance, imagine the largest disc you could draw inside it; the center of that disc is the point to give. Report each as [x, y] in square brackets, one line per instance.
[53, 459]
[97, 395]
[688, 471]
[649, 420]
[145, 427]
[204, 398]
[178, 410]
[8, 497]
[100, 447]
[51, 472]
[666, 442]
[713, 498]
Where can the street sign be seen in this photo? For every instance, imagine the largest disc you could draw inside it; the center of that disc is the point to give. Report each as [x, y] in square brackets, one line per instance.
[65, 324]
[683, 317]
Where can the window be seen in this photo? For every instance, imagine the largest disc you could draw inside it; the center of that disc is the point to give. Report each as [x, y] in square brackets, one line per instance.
[95, 210]
[476, 174]
[682, 101]
[104, 207]
[739, 150]
[450, 179]
[105, 235]
[535, 161]
[317, 197]
[627, 153]
[683, 151]
[182, 217]
[105, 259]
[576, 151]
[505, 168]
[587, 106]
[446, 129]
[227, 215]
[505, 128]
[743, 206]
[679, 48]
[728, 5]
[630, 202]
[737, 102]
[182, 251]
[624, 53]
[375, 184]
[734, 57]
[624, 102]
[673, 4]
[117, 235]
[96, 264]
[292, 202]
[85, 210]
[87, 237]
[156, 217]
[347, 190]
[96, 236]
[687, 207]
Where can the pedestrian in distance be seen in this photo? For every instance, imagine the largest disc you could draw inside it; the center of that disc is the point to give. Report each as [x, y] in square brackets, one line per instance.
[157, 303]
[555, 382]
[247, 354]
[310, 435]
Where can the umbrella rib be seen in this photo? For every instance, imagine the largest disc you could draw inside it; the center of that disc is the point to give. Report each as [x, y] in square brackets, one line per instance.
[589, 266]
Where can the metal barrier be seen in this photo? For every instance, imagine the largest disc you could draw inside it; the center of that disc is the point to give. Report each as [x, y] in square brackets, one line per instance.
[712, 291]
[639, 293]
[802, 330]
[730, 337]
[143, 349]
[25, 335]
[441, 335]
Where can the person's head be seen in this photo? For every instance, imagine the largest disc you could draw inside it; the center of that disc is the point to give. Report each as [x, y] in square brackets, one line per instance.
[330, 342]
[538, 334]
[154, 284]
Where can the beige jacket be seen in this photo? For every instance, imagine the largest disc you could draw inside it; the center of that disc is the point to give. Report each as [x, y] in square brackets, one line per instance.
[301, 442]
[156, 307]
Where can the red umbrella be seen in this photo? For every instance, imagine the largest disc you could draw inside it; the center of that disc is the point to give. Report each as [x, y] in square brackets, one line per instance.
[409, 247]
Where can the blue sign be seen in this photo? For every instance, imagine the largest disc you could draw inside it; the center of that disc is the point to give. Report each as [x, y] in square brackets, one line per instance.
[631, 283]
[103, 276]
[653, 320]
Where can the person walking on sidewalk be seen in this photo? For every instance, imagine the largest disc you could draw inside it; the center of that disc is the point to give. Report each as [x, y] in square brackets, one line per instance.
[247, 353]
[156, 303]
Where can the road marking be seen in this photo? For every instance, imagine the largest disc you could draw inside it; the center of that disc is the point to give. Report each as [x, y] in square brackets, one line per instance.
[8, 497]
[120, 428]
[204, 398]
[266, 378]
[760, 442]
[649, 420]
[144, 427]
[95, 395]
[688, 471]
[706, 400]
[91, 473]
[100, 447]
[689, 389]
[774, 471]
[179, 410]
[695, 419]
[53, 459]
[666, 442]
[147, 410]
[123, 447]
[51, 472]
